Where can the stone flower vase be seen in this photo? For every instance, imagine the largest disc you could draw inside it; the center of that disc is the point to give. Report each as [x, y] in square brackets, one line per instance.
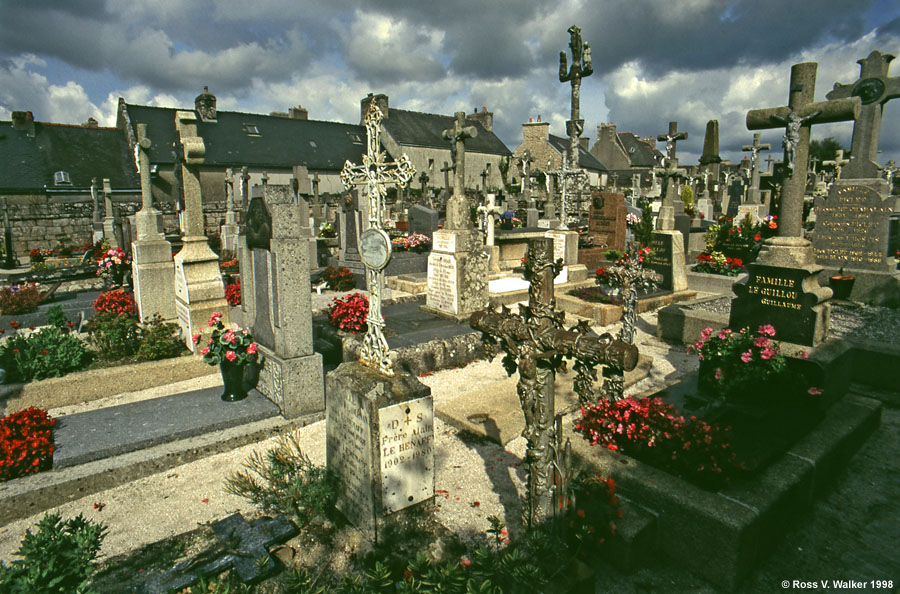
[233, 380]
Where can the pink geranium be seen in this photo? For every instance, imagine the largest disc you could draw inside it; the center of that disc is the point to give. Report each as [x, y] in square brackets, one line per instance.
[214, 318]
[746, 356]
[204, 350]
[767, 329]
[767, 353]
[252, 348]
[196, 338]
[229, 336]
[230, 355]
[762, 342]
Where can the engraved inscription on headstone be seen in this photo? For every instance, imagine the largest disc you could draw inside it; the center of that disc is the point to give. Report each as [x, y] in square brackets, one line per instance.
[406, 439]
[852, 225]
[442, 275]
[660, 258]
[181, 290]
[349, 451]
[184, 317]
[774, 295]
[444, 242]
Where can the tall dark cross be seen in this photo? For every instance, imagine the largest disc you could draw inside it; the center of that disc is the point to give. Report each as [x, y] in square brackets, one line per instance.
[797, 117]
[457, 206]
[666, 218]
[374, 174]
[446, 169]
[874, 88]
[581, 68]
[423, 179]
[754, 166]
[535, 343]
[484, 176]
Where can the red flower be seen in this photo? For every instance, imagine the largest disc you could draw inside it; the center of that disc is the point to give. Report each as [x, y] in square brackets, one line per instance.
[14, 324]
[230, 355]
[196, 338]
[757, 237]
[252, 348]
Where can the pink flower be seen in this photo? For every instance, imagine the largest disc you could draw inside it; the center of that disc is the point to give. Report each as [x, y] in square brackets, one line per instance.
[767, 353]
[746, 357]
[230, 355]
[465, 562]
[252, 348]
[718, 373]
[706, 333]
[724, 334]
[229, 336]
[204, 351]
[762, 342]
[768, 330]
[803, 355]
[814, 391]
[214, 318]
[196, 338]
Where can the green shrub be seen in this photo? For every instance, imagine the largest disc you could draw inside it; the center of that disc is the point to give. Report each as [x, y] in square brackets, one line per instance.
[287, 482]
[114, 335]
[159, 340]
[613, 255]
[56, 559]
[57, 317]
[49, 352]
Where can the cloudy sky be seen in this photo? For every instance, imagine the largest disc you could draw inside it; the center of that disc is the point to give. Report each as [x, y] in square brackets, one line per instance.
[654, 60]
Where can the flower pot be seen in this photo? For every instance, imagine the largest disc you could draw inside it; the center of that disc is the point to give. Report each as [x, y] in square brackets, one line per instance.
[842, 285]
[233, 380]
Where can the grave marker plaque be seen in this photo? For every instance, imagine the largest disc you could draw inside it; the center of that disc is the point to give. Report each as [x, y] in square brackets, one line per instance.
[852, 225]
[606, 222]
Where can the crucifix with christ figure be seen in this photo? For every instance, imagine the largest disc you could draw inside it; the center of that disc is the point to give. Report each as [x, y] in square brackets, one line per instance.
[374, 243]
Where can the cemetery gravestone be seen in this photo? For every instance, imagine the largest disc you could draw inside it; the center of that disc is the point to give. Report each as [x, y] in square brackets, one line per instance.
[606, 220]
[275, 272]
[422, 220]
[852, 227]
[380, 442]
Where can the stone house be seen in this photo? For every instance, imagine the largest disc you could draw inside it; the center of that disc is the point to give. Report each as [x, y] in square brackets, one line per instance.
[419, 136]
[546, 152]
[626, 154]
[46, 173]
[270, 145]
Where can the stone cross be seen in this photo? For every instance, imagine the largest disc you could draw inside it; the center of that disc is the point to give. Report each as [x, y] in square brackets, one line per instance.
[315, 185]
[797, 117]
[194, 156]
[446, 169]
[671, 172]
[523, 163]
[813, 161]
[484, 176]
[769, 160]
[581, 67]
[229, 191]
[487, 214]
[373, 174]
[754, 166]
[109, 219]
[146, 220]
[874, 88]
[838, 162]
[457, 207]
[535, 342]
[572, 182]
[423, 180]
[245, 190]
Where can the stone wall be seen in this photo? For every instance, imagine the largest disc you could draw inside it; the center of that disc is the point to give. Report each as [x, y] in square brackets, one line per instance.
[40, 221]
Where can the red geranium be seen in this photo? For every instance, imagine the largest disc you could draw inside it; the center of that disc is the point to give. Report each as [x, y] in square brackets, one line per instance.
[26, 443]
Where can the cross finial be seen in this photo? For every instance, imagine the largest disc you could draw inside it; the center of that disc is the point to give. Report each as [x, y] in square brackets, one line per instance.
[458, 135]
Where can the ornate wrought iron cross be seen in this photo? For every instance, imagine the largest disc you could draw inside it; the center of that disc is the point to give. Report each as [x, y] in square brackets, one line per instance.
[374, 243]
[535, 344]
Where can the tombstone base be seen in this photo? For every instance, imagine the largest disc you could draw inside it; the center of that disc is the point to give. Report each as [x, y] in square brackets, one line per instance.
[229, 234]
[153, 275]
[199, 290]
[457, 275]
[783, 290]
[296, 385]
[380, 443]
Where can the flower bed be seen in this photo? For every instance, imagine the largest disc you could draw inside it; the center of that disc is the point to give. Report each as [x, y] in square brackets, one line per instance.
[349, 313]
[19, 299]
[415, 242]
[26, 443]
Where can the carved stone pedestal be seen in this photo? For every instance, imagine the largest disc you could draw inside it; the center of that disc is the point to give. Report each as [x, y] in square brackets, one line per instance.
[380, 443]
[457, 274]
[199, 290]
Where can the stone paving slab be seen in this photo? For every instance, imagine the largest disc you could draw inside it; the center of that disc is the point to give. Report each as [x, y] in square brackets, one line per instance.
[106, 432]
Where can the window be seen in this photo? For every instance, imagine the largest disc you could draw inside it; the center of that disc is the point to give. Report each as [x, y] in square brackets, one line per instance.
[61, 177]
[431, 165]
[313, 144]
[251, 130]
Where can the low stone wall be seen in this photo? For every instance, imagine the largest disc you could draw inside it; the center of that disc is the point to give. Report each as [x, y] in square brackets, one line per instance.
[681, 323]
[713, 283]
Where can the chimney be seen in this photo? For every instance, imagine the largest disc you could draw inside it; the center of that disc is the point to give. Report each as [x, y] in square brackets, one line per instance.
[91, 123]
[584, 142]
[381, 100]
[483, 117]
[606, 133]
[23, 120]
[536, 132]
[205, 104]
[298, 113]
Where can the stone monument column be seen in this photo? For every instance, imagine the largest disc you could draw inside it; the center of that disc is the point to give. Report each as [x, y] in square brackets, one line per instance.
[199, 290]
[109, 218]
[457, 265]
[152, 268]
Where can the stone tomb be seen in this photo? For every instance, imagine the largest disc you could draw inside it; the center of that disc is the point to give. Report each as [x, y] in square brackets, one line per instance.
[379, 442]
[275, 273]
[852, 225]
[787, 298]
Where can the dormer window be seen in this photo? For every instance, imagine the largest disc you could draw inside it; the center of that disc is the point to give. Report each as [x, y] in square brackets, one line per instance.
[313, 144]
[61, 178]
[251, 130]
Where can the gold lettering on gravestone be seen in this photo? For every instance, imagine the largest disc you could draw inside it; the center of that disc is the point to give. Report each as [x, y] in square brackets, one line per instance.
[350, 457]
[406, 442]
[851, 228]
[775, 291]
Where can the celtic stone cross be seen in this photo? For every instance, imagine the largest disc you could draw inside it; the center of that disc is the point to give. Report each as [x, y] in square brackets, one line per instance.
[374, 243]
[457, 208]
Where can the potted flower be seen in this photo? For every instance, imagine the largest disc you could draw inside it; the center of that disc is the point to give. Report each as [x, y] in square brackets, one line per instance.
[842, 284]
[232, 350]
[113, 266]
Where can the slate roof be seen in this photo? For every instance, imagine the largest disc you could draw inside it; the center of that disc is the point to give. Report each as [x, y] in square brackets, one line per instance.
[585, 159]
[28, 163]
[281, 142]
[416, 128]
[639, 151]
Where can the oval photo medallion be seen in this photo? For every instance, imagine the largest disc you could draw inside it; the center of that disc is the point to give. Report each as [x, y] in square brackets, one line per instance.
[375, 248]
